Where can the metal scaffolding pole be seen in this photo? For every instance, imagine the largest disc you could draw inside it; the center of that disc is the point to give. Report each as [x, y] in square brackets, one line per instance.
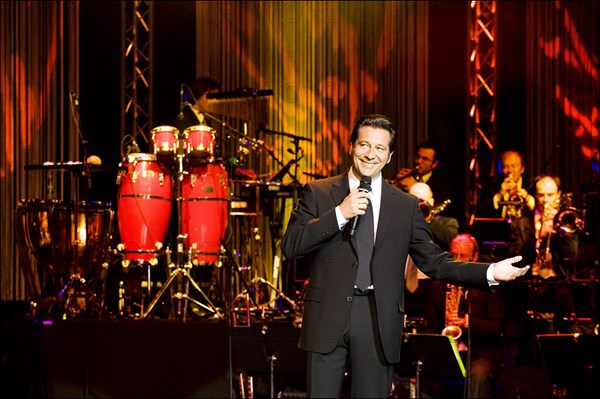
[482, 90]
[136, 69]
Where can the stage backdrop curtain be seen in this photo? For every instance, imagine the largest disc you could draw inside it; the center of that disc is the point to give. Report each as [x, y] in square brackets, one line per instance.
[327, 63]
[563, 91]
[38, 68]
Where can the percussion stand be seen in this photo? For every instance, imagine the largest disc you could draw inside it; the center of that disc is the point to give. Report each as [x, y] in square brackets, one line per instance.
[236, 269]
[180, 272]
[277, 223]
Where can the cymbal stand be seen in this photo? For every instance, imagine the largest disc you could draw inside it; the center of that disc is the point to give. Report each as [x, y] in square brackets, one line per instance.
[180, 271]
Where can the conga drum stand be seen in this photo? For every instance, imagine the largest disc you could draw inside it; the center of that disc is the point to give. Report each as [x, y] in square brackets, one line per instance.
[180, 270]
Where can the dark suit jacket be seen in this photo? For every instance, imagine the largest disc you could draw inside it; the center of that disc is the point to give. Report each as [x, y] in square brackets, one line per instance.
[443, 189]
[186, 119]
[313, 234]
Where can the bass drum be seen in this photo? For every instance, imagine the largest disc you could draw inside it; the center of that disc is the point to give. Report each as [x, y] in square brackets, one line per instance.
[143, 206]
[204, 211]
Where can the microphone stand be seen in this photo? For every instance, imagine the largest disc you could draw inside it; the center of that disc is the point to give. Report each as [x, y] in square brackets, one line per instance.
[76, 284]
[298, 155]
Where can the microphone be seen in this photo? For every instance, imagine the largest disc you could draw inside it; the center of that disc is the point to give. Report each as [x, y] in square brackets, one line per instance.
[181, 102]
[365, 186]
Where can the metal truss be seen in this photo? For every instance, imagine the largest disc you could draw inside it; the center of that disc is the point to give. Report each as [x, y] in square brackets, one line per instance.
[482, 91]
[136, 68]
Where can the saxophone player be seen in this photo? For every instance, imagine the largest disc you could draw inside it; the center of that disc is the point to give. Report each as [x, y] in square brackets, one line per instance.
[425, 297]
[483, 321]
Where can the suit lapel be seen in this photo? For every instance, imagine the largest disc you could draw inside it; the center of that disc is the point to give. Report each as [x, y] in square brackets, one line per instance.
[386, 212]
[340, 188]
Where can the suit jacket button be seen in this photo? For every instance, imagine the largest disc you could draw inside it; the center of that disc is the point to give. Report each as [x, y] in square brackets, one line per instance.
[355, 265]
[349, 298]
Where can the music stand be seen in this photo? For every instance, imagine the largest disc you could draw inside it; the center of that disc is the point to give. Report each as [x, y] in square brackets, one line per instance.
[433, 356]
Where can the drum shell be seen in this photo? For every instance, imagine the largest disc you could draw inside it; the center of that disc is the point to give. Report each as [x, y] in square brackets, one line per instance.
[32, 219]
[164, 140]
[205, 210]
[81, 249]
[199, 142]
[42, 230]
[143, 205]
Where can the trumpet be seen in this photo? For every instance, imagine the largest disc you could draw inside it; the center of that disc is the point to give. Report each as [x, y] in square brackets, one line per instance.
[403, 174]
[568, 221]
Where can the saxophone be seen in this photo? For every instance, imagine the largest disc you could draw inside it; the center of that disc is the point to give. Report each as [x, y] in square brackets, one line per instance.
[454, 296]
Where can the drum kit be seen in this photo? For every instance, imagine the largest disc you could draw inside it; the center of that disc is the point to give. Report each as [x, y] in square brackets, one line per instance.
[78, 273]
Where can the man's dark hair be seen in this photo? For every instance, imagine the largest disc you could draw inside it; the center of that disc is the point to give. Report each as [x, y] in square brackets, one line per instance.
[201, 86]
[437, 154]
[375, 120]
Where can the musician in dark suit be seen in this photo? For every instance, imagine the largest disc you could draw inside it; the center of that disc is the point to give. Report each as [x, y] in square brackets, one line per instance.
[426, 169]
[553, 255]
[195, 103]
[354, 303]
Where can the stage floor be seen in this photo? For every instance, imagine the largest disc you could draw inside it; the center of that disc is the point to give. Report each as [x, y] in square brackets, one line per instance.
[196, 358]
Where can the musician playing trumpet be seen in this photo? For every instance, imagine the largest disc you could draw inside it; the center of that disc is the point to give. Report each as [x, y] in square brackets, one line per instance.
[552, 250]
[426, 169]
[512, 197]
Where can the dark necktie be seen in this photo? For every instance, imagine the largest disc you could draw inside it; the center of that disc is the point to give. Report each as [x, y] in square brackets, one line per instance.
[364, 243]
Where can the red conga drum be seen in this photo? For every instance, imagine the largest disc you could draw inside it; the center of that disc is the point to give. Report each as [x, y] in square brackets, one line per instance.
[204, 210]
[143, 205]
[199, 142]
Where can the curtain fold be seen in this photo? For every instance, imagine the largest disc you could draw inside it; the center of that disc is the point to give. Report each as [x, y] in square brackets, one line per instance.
[327, 63]
[563, 92]
[37, 65]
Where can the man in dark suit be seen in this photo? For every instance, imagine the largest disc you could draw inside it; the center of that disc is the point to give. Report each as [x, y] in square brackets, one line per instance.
[354, 303]
[426, 164]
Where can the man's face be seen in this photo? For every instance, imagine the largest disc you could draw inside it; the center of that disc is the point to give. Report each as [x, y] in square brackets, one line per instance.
[371, 151]
[512, 166]
[463, 250]
[424, 160]
[202, 103]
[547, 192]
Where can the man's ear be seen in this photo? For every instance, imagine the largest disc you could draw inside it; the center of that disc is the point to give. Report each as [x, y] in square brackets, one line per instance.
[390, 157]
[435, 164]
